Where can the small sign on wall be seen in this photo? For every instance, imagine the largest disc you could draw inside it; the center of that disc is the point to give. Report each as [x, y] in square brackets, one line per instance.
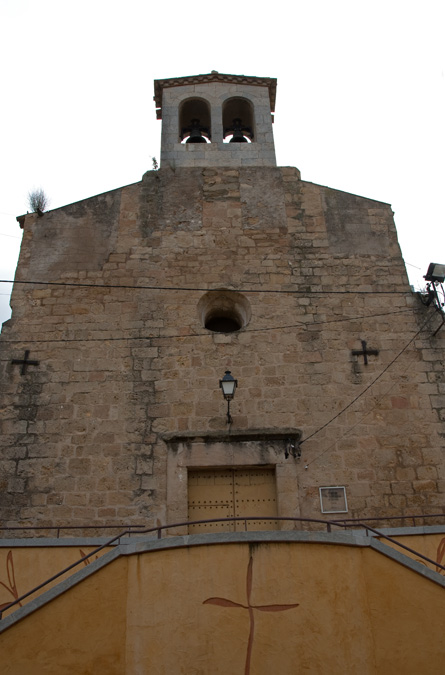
[333, 499]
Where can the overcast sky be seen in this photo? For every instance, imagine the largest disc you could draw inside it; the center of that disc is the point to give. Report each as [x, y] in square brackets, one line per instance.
[360, 99]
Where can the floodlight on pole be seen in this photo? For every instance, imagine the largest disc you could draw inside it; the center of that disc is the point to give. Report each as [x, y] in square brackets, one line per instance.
[435, 277]
[435, 273]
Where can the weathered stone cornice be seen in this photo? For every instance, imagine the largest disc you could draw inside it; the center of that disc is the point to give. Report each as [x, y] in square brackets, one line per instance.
[232, 436]
[269, 82]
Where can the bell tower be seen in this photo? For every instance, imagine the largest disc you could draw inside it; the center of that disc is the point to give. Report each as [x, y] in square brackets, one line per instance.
[216, 120]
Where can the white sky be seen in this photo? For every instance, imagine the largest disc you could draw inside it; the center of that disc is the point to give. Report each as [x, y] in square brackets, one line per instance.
[360, 99]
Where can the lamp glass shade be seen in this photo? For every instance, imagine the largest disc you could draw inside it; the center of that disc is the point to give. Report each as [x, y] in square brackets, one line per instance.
[228, 385]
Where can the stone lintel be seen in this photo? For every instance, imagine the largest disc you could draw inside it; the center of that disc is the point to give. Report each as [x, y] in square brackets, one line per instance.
[233, 436]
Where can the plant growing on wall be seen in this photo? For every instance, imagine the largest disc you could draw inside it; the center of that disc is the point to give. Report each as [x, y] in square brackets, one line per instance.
[38, 202]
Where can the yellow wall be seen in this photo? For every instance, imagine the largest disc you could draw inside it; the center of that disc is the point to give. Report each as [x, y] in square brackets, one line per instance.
[24, 568]
[432, 546]
[407, 614]
[82, 632]
[358, 612]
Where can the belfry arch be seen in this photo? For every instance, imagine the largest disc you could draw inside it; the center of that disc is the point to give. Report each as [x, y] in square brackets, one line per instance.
[238, 120]
[195, 121]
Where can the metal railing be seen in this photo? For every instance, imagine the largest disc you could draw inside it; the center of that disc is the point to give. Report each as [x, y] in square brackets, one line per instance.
[57, 528]
[379, 519]
[135, 529]
[344, 524]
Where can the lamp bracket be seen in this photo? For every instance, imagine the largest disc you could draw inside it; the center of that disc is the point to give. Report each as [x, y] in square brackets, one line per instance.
[293, 448]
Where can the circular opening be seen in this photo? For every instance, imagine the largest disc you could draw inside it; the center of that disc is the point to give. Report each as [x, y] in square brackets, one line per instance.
[224, 311]
[223, 324]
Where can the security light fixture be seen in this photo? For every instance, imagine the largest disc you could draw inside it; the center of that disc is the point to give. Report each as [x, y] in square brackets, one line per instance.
[435, 273]
[435, 277]
[228, 385]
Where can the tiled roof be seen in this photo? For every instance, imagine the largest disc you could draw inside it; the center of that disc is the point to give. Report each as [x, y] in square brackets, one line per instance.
[214, 76]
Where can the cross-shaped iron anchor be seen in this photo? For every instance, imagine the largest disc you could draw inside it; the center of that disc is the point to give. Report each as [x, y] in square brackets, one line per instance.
[25, 362]
[365, 352]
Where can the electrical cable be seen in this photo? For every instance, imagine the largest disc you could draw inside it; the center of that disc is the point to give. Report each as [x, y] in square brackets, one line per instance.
[356, 424]
[300, 324]
[196, 288]
[361, 394]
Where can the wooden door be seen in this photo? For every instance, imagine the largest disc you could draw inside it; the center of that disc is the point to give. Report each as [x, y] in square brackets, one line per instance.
[225, 493]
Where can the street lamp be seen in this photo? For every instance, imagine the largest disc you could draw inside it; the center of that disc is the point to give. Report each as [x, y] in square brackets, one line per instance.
[228, 385]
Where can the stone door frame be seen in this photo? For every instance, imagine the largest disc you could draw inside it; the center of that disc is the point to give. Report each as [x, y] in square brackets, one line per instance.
[249, 449]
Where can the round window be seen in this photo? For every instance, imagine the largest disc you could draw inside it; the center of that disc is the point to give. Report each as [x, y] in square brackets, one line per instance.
[224, 311]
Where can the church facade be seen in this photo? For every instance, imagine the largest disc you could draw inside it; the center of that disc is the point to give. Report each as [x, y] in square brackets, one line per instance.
[129, 309]
[135, 302]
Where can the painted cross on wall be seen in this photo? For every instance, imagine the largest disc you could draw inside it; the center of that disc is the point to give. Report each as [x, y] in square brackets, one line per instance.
[224, 602]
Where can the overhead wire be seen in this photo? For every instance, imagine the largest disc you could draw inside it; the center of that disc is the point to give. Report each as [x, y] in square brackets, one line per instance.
[188, 289]
[208, 333]
[296, 325]
[356, 424]
[361, 394]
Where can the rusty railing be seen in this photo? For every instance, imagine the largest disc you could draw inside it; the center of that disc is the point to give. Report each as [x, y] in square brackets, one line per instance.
[346, 523]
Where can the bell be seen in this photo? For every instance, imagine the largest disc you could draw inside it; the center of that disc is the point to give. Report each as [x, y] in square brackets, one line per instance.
[238, 136]
[195, 133]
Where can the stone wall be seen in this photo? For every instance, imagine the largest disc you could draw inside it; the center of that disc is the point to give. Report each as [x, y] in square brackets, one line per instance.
[127, 368]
